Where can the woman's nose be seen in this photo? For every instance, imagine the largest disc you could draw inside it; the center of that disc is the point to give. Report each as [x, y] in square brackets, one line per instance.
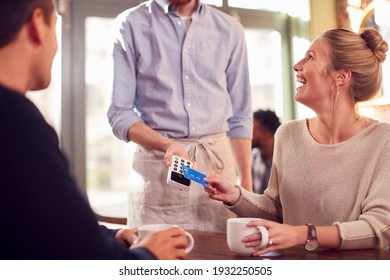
[297, 66]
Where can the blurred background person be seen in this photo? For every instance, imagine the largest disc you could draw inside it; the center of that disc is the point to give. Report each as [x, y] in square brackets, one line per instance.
[265, 124]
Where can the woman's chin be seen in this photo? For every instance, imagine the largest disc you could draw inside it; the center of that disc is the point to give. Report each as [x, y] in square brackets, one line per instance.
[297, 97]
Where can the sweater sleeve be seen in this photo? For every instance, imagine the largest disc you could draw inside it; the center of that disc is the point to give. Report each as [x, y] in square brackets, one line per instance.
[372, 228]
[139, 253]
[266, 206]
[256, 206]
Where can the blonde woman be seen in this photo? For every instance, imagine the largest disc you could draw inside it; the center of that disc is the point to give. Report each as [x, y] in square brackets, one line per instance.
[330, 179]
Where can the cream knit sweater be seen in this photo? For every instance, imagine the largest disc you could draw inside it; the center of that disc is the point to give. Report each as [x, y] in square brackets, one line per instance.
[345, 184]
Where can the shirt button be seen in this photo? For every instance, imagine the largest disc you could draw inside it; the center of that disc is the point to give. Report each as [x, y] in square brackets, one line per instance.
[193, 128]
[179, 22]
[186, 77]
[189, 104]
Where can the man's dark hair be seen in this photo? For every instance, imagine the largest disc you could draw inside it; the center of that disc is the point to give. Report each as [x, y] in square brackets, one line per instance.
[268, 119]
[15, 13]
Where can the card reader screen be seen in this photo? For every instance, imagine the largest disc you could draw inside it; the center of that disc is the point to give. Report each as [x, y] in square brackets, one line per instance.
[180, 179]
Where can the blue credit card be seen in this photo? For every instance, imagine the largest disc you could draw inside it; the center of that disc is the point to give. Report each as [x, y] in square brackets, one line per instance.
[194, 175]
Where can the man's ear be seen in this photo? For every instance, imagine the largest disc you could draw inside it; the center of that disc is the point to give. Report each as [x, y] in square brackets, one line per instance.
[35, 26]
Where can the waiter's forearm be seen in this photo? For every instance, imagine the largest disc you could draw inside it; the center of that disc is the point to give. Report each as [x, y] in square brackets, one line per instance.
[242, 153]
[145, 136]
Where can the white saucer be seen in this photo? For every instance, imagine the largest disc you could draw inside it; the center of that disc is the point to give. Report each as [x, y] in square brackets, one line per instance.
[276, 253]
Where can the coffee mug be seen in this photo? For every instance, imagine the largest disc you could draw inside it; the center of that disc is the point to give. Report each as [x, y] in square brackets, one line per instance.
[237, 229]
[149, 228]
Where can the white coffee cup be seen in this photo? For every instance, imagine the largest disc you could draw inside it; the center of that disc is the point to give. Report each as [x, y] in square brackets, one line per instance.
[149, 228]
[237, 229]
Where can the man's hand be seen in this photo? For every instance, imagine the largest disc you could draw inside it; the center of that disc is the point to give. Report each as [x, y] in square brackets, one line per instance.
[175, 149]
[126, 236]
[169, 244]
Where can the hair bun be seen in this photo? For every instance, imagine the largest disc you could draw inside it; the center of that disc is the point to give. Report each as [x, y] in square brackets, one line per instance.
[375, 42]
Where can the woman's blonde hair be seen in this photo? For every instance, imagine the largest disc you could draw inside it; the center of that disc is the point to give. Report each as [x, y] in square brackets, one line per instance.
[362, 54]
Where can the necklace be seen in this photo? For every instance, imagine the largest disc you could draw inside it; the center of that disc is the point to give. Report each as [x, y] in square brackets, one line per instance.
[358, 125]
[310, 132]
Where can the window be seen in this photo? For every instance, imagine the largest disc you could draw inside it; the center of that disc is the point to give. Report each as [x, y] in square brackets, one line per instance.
[297, 8]
[301, 45]
[217, 3]
[108, 159]
[49, 100]
[265, 66]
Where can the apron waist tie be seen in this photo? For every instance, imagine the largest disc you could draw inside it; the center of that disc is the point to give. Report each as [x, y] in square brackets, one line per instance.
[206, 143]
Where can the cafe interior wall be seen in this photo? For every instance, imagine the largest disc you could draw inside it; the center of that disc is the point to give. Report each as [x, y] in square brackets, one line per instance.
[327, 14]
[323, 17]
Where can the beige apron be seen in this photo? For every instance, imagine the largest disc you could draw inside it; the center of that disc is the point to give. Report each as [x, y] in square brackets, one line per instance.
[157, 202]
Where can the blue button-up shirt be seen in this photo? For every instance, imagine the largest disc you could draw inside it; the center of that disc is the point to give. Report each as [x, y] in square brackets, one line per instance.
[181, 84]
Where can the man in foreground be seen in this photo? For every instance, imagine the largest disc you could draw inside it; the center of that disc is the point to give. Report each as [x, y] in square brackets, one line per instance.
[42, 213]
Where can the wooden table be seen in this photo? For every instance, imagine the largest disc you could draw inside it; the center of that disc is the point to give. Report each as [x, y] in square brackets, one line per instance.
[213, 246]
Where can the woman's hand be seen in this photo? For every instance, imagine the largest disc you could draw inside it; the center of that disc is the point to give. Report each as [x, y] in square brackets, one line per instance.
[280, 236]
[222, 190]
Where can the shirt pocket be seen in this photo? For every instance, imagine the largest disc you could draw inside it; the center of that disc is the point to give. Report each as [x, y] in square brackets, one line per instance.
[211, 59]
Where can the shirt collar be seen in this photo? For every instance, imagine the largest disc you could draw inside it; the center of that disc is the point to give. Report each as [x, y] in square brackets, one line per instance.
[165, 5]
